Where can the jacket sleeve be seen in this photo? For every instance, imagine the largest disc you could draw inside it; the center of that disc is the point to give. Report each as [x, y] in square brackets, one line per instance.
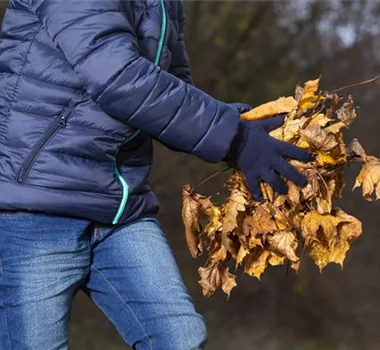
[180, 66]
[99, 42]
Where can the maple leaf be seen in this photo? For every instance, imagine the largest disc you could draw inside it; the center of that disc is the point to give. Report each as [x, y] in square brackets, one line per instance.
[348, 230]
[369, 178]
[270, 109]
[191, 219]
[286, 243]
[320, 228]
[260, 222]
[216, 276]
[257, 262]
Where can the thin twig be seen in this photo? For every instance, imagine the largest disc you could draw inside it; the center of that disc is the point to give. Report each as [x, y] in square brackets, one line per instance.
[357, 84]
[209, 178]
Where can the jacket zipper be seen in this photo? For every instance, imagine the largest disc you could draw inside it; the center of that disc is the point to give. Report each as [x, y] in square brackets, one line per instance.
[157, 59]
[59, 123]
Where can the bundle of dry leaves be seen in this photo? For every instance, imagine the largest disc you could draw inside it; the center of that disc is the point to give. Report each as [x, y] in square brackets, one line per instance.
[285, 227]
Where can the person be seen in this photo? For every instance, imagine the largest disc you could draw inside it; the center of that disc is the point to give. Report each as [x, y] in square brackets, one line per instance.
[86, 85]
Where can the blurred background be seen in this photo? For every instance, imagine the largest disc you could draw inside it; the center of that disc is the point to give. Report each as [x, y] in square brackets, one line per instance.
[254, 52]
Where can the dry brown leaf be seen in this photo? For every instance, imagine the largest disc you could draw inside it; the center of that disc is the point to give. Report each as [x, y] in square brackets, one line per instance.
[318, 139]
[191, 219]
[293, 193]
[270, 109]
[289, 131]
[355, 149]
[369, 179]
[324, 200]
[347, 114]
[259, 222]
[286, 243]
[236, 203]
[216, 276]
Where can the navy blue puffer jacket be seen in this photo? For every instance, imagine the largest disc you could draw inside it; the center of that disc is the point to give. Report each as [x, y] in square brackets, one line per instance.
[81, 99]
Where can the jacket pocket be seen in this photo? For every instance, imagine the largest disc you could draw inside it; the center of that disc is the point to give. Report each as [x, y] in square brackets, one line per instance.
[56, 125]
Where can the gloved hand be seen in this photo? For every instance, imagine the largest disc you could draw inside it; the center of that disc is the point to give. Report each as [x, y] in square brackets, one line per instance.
[263, 158]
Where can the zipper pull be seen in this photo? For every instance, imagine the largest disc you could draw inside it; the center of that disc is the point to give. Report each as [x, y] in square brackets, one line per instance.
[63, 120]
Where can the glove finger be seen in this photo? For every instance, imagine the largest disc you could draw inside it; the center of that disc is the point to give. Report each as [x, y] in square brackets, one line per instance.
[242, 107]
[286, 170]
[253, 185]
[291, 151]
[272, 123]
[276, 182]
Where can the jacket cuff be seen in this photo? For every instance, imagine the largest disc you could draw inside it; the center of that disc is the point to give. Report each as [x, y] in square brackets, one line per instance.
[237, 143]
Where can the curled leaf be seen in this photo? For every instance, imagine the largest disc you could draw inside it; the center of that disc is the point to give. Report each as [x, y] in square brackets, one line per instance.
[270, 109]
[191, 219]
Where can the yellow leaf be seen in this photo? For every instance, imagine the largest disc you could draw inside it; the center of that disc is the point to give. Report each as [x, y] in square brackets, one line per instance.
[320, 254]
[257, 263]
[309, 97]
[289, 130]
[275, 259]
[313, 222]
[319, 119]
[369, 178]
[348, 230]
[285, 243]
[335, 128]
[270, 109]
[243, 252]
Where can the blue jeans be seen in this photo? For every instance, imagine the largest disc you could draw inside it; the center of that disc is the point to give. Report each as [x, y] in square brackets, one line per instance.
[128, 271]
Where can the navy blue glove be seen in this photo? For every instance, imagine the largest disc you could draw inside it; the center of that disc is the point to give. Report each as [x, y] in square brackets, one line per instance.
[263, 158]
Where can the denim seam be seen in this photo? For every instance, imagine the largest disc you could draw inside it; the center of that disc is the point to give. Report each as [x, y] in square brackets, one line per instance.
[126, 304]
[2, 302]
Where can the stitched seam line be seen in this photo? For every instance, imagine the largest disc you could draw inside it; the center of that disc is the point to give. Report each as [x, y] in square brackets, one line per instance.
[14, 92]
[5, 309]
[126, 304]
